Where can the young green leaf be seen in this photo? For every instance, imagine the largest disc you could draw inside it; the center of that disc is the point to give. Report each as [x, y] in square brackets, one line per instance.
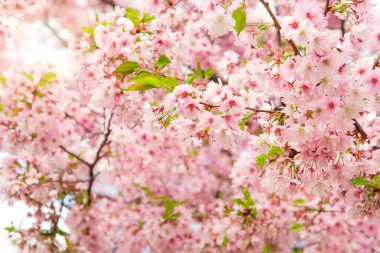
[190, 78]
[296, 227]
[127, 67]
[239, 202]
[275, 150]
[88, 30]
[147, 18]
[162, 61]
[28, 76]
[247, 197]
[376, 180]
[240, 18]
[225, 241]
[47, 78]
[208, 73]
[140, 87]
[360, 181]
[132, 15]
[10, 229]
[244, 121]
[261, 159]
[2, 79]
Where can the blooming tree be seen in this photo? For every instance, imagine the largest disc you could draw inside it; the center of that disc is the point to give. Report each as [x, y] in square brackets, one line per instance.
[196, 126]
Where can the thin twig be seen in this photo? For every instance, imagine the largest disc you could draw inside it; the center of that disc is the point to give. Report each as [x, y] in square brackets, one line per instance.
[55, 33]
[360, 129]
[376, 63]
[326, 8]
[79, 123]
[278, 26]
[247, 108]
[98, 157]
[75, 156]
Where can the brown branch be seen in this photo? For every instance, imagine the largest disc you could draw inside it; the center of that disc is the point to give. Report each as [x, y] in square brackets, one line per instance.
[98, 157]
[75, 156]
[326, 8]
[342, 27]
[360, 129]
[376, 63]
[55, 32]
[247, 108]
[79, 123]
[109, 2]
[278, 26]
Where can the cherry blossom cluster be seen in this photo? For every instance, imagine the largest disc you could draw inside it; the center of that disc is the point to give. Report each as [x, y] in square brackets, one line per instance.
[196, 126]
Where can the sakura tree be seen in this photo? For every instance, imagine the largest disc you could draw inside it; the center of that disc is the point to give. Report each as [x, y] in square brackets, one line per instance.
[195, 126]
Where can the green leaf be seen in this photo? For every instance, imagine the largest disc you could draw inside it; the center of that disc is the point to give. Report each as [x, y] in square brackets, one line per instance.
[132, 15]
[208, 73]
[360, 181]
[10, 229]
[244, 121]
[239, 202]
[28, 76]
[225, 241]
[247, 197]
[266, 249]
[190, 78]
[149, 81]
[198, 71]
[47, 78]
[147, 18]
[88, 30]
[2, 79]
[193, 153]
[376, 179]
[275, 150]
[296, 227]
[162, 61]
[299, 201]
[140, 87]
[261, 159]
[240, 18]
[127, 67]
[169, 214]
[146, 190]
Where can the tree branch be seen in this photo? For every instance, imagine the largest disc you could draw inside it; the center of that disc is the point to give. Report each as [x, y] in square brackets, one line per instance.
[74, 155]
[326, 8]
[55, 33]
[247, 108]
[360, 129]
[98, 157]
[278, 26]
[109, 2]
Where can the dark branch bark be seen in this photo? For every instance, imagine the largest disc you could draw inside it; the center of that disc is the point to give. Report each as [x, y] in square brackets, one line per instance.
[326, 8]
[247, 108]
[278, 26]
[98, 157]
[75, 156]
[376, 63]
[360, 129]
[109, 2]
[55, 32]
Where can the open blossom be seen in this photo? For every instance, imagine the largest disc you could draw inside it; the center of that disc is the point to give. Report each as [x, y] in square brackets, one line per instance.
[302, 32]
[217, 22]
